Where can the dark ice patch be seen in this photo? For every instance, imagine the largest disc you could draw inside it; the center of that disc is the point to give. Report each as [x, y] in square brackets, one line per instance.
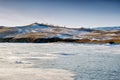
[18, 62]
[66, 54]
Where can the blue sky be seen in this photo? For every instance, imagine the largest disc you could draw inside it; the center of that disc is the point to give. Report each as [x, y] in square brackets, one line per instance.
[70, 13]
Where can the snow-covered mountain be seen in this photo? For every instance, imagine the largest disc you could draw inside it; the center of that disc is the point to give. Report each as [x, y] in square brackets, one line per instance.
[49, 30]
[48, 33]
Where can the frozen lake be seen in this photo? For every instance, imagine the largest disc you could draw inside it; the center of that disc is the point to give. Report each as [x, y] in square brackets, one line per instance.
[59, 61]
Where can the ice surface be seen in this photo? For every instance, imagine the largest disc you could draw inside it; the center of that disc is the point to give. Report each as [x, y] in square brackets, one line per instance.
[59, 61]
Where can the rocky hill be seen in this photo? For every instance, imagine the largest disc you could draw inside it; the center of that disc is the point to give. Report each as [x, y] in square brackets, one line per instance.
[39, 33]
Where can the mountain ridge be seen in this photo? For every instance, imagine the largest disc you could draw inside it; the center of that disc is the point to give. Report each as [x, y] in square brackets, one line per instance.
[37, 32]
[108, 28]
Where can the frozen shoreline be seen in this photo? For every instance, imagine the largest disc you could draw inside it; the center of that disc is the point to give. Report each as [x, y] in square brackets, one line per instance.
[16, 64]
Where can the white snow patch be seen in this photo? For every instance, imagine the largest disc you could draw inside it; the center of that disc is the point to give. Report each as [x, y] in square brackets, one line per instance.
[34, 74]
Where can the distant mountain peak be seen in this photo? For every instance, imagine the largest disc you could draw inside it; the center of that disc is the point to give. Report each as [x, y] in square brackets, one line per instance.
[35, 24]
